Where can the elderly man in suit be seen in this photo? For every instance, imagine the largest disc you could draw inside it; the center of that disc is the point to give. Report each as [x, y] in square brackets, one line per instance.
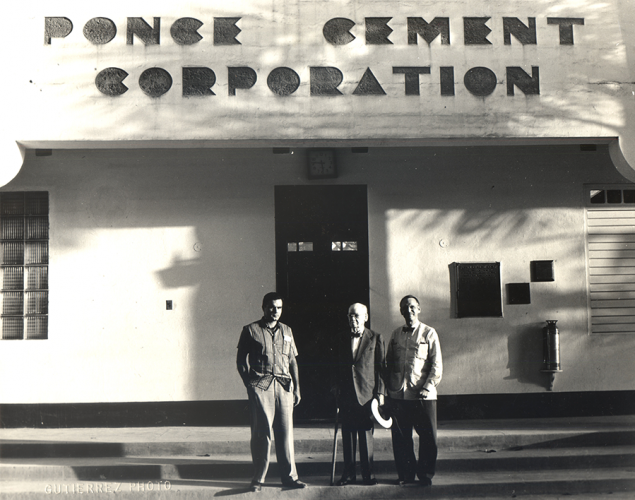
[358, 381]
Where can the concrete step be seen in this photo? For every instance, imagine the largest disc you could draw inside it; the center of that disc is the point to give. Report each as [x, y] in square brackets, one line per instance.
[166, 441]
[317, 464]
[476, 459]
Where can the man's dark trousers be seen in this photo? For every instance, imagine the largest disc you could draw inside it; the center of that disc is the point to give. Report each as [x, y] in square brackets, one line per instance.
[422, 416]
[357, 427]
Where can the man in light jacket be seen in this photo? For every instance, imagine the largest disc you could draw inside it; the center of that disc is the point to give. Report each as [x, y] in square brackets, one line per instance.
[412, 371]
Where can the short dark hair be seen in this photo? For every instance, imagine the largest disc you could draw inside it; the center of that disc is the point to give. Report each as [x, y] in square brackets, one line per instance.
[270, 297]
[406, 298]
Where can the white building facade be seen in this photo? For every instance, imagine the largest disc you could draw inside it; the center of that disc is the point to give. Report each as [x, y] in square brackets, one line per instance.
[161, 142]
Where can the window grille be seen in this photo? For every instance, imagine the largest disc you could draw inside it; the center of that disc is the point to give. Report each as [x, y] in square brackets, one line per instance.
[24, 261]
[610, 245]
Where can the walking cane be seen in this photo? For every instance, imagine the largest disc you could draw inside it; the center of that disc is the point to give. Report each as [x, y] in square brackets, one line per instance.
[337, 421]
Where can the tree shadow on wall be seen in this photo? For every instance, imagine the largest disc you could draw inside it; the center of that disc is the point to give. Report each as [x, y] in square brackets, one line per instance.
[525, 356]
[182, 273]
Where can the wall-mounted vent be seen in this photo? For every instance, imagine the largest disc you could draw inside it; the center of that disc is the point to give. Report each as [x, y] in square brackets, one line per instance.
[610, 244]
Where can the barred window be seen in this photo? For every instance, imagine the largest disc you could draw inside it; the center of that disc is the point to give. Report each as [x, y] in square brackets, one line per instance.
[24, 262]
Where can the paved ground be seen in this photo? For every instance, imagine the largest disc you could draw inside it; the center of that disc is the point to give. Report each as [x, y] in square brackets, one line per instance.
[453, 432]
[585, 458]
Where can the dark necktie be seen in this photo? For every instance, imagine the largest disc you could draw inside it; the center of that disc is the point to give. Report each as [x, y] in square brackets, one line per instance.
[355, 335]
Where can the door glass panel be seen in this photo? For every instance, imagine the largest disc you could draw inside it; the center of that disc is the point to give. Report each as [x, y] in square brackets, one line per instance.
[349, 246]
[305, 246]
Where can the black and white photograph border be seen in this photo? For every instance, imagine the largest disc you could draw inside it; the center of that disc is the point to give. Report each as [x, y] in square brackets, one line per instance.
[164, 166]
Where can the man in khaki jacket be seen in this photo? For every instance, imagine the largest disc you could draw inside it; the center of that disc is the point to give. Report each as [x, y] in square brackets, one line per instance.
[267, 365]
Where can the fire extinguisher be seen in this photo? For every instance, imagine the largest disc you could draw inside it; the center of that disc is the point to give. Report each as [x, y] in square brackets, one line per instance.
[551, 351]
[551, 346]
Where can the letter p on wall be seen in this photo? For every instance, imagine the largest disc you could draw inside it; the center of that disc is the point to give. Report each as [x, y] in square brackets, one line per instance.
[56, 27]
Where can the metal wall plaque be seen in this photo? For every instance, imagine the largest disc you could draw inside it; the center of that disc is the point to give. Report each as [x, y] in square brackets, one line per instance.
[478, 290]
[542, 270]
[518, 293]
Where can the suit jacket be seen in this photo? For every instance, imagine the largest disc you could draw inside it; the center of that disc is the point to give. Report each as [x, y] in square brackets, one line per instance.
[359, 378]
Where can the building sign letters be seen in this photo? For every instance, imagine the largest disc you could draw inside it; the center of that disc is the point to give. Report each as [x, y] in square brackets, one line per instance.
[324, 80]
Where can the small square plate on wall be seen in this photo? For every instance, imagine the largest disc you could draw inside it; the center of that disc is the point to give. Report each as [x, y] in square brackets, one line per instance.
[542, 270]
[518, 293]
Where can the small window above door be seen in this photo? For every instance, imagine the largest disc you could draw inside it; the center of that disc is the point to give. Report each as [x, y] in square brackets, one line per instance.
[344, 246]
[301, 246]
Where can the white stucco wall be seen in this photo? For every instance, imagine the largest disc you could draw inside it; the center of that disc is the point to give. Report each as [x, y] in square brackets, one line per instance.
[124, 225]
[125, 222]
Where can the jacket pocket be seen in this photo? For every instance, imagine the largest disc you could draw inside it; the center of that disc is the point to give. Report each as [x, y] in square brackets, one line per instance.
[397, 358]
[422, 351]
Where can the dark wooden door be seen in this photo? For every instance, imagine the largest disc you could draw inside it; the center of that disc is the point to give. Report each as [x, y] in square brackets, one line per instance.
[321, 269]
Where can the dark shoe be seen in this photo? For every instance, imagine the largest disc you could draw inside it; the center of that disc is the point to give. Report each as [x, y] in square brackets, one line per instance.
[426, 481]
[346, 480]
[371, 481]
[255, 487]
[294, 485]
